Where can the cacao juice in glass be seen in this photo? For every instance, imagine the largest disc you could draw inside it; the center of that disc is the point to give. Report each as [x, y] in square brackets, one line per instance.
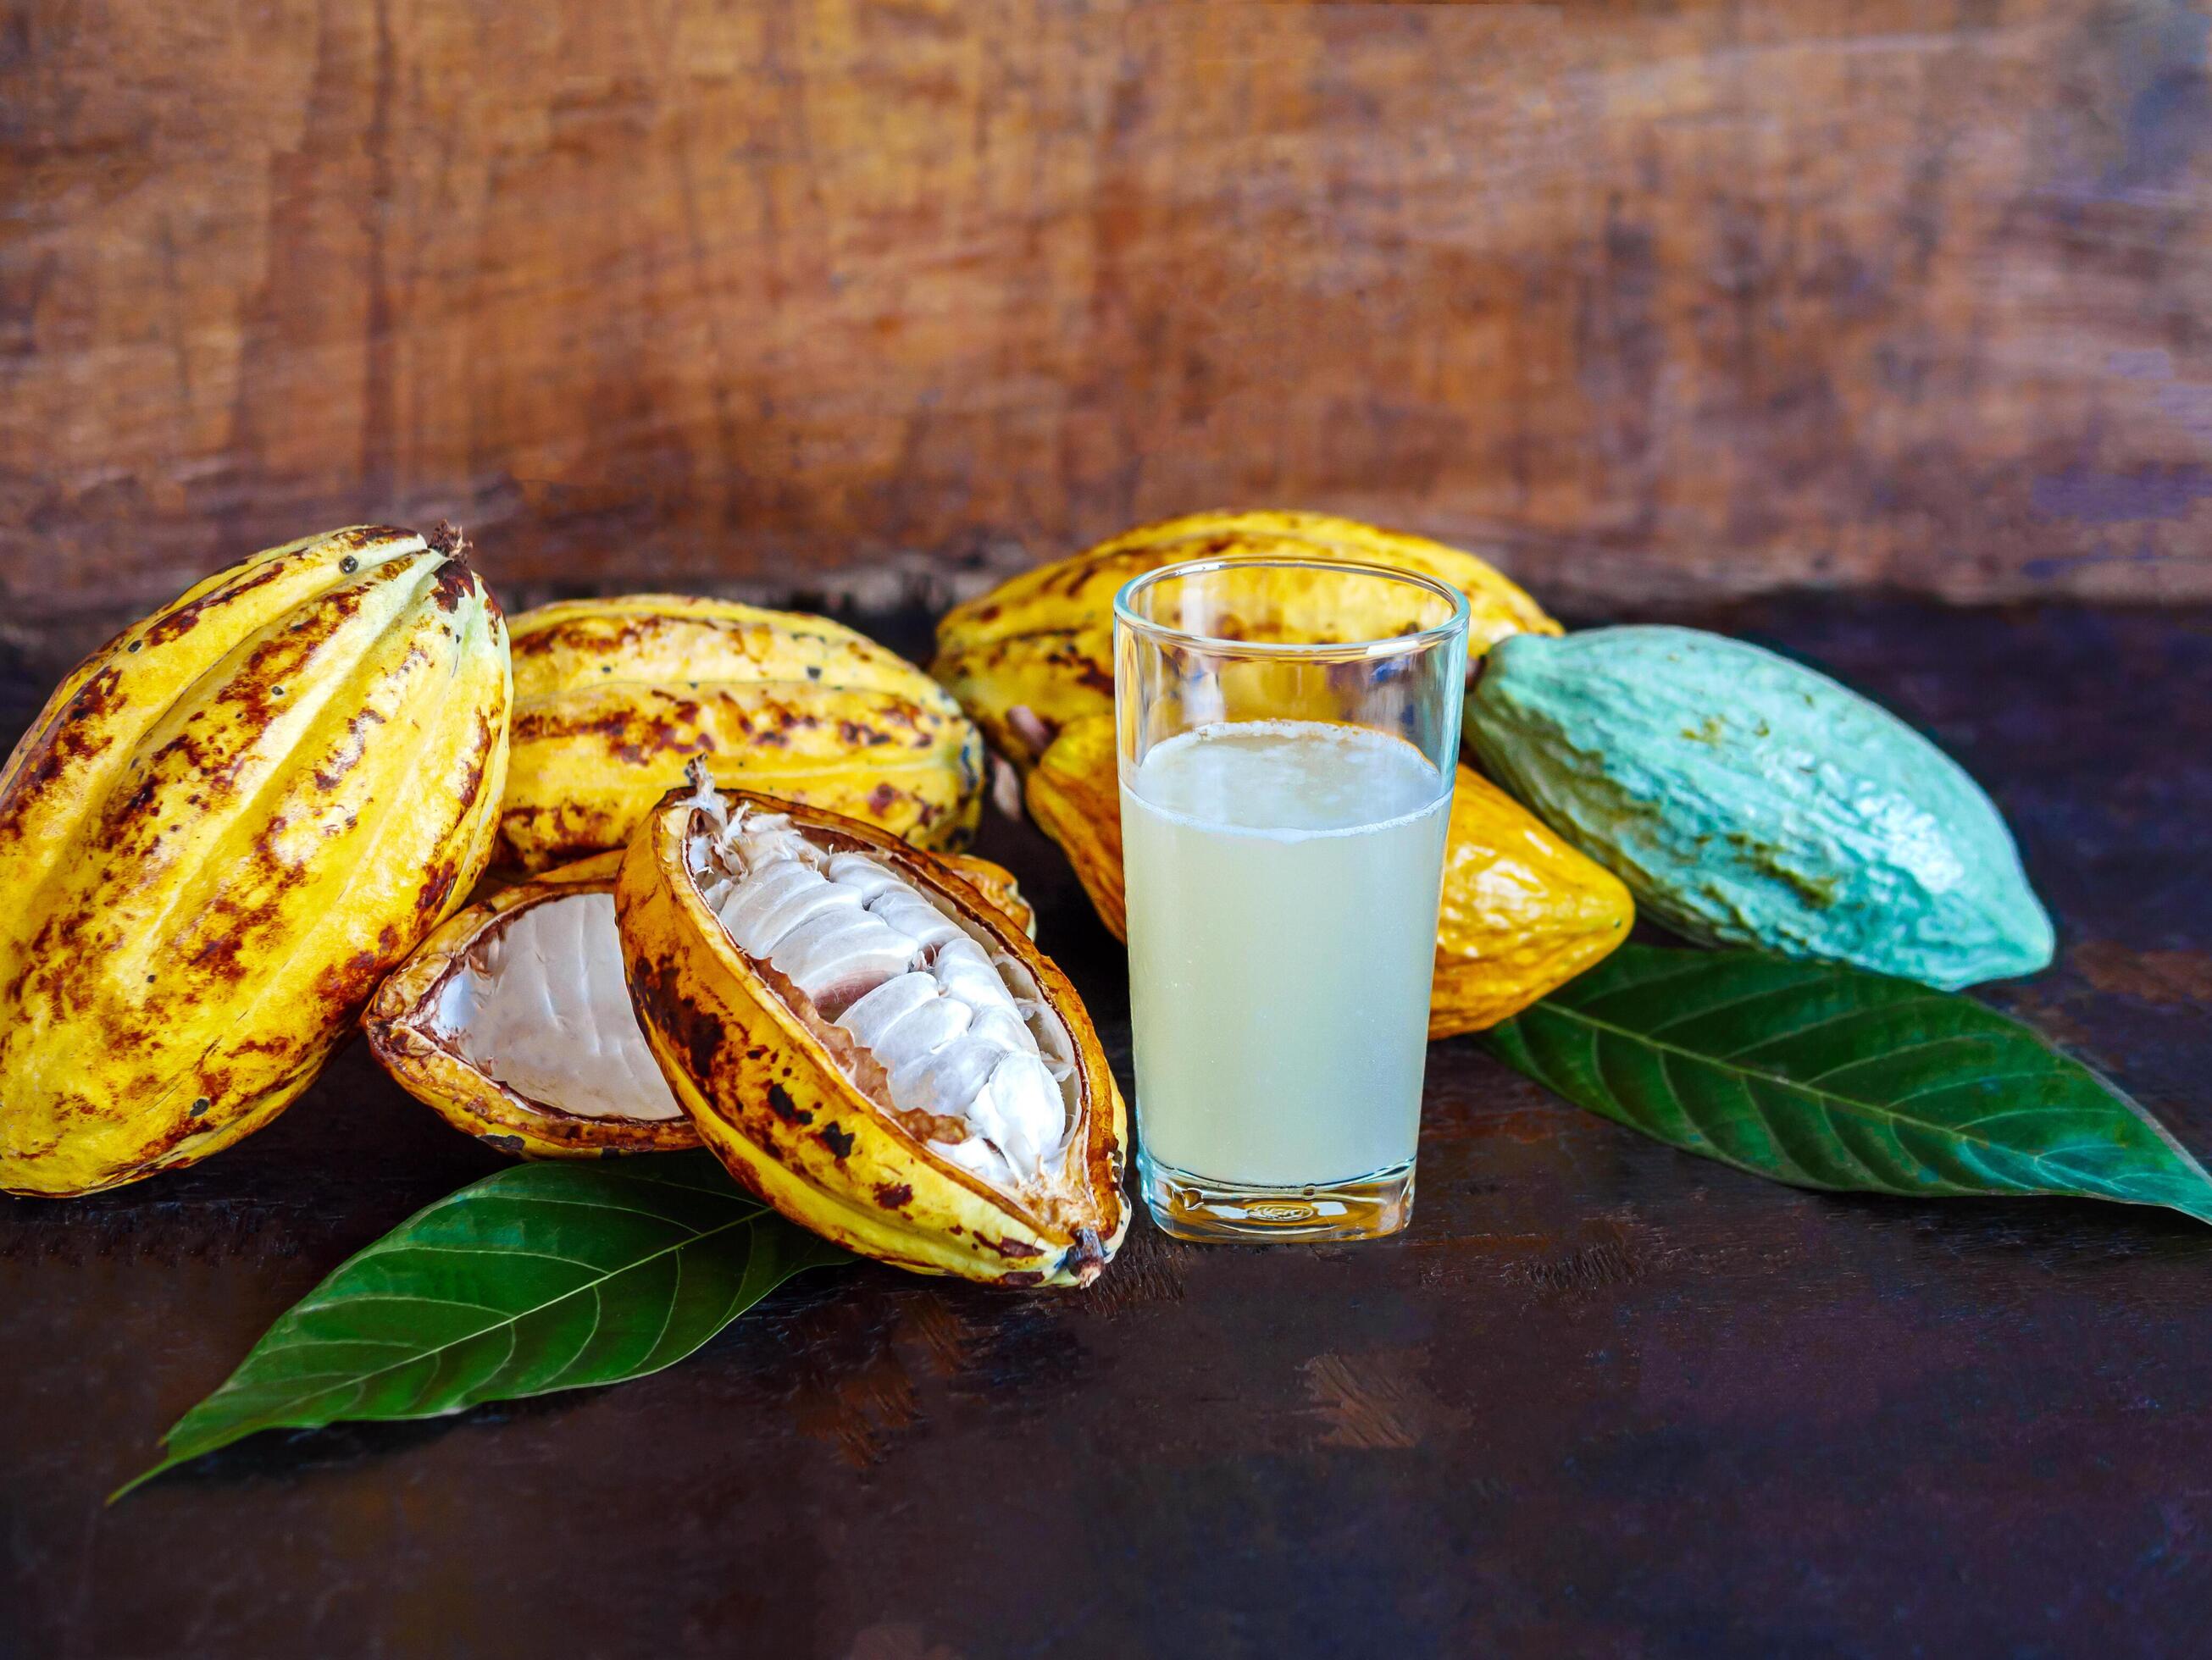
[1288, 731]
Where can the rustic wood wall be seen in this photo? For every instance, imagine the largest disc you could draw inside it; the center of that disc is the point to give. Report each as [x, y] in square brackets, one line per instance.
[716, 291]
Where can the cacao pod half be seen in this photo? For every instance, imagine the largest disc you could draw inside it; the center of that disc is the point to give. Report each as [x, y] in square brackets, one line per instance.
[1522, 912]
[1749, 800]
[614, 696]
[512, 1021]
[1037, 652]
[868, 1046]
[224, 829]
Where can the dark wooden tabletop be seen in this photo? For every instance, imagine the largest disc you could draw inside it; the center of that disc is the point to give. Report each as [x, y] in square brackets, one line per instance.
[1602, 1397]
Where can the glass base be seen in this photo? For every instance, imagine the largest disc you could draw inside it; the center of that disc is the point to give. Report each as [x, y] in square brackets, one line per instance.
[1198, 1208]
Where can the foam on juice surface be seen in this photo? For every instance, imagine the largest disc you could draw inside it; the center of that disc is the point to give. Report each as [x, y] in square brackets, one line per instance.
[1286, 776]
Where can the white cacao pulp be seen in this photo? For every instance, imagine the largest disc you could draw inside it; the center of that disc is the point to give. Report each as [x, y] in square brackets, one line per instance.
[540, 1007]
[907, 982]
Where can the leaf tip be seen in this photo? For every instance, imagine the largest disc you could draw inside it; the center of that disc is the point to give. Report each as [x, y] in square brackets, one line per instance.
[135, 1483]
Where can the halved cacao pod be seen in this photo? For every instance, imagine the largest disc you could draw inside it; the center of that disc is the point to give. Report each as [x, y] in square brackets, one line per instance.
[512, 1021]
[513, 1024]
[222, 832]
[996, 885]
[612, 696]
[1522, 912]
[1037, 652]
[872, 1139]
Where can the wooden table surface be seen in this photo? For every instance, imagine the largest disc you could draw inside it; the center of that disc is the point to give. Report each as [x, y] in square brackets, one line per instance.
[1602, 1397]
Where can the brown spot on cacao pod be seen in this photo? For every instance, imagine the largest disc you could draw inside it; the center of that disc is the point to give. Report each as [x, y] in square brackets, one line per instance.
[69, 736]
[455, 584]
[893, 1197]
[348, 753]
[781, 1104]
[185, 618]
[837, 1139]
[696, 1032]
[437, 888]
[479, 758]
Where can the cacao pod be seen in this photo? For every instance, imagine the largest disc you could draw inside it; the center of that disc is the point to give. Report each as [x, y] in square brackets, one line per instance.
[1522, 912]
[868, 1046]
[512, 1023]
[1037, 652]
[613, 696]
[1748, 800]
[224, 829]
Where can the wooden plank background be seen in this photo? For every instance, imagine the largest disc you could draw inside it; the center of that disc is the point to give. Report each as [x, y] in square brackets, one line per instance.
[1659, 304]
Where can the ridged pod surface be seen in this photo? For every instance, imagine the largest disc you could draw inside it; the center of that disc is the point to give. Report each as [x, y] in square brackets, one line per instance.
[225, 828]
[612, 696]
[775, 1091]
[1074, 794]
[557, 1067]
[1522, 912]
[1748, 800]
[1036, 653]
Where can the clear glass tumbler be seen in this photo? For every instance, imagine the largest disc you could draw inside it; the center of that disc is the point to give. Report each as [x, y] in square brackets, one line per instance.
[1288, 733]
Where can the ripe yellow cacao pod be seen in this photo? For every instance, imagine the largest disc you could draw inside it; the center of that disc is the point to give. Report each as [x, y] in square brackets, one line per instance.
[1522, 912]
[869, 1048]
[513, 1023]
[1074, 794]
[612, 696]
[223, 831]
[1036, 653]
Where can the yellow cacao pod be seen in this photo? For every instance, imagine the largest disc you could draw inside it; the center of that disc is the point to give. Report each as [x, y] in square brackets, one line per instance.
[512, 1021]
[1036, 653]
[790, 1044]
[1522, 912]
[612, 696]
[1074, 794]
[222, 832]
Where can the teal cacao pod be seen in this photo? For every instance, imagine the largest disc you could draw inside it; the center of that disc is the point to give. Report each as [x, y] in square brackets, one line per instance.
[1748, 800]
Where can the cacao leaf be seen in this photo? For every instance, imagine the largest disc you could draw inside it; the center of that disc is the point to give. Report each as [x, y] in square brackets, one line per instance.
[1824, 1076]
[544, 1277]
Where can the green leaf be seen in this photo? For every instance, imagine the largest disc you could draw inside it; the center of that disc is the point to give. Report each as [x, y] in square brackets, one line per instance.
[1824, 1076]
[544, 1277]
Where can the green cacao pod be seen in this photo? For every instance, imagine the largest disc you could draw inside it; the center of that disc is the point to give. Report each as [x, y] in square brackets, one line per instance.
[1748, 800]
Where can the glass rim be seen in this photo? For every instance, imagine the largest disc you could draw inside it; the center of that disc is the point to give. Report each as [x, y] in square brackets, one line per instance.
[1383, 645]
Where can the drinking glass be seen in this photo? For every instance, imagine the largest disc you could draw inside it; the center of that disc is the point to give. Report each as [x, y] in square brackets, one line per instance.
[1288, 731]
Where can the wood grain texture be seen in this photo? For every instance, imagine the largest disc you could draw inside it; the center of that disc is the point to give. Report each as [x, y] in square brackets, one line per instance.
[1705, 298]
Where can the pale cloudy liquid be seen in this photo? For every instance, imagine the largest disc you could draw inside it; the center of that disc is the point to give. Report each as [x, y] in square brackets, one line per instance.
[1283, 879]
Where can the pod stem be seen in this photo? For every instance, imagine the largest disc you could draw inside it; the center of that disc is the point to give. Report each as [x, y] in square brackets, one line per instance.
[1087, 1256]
